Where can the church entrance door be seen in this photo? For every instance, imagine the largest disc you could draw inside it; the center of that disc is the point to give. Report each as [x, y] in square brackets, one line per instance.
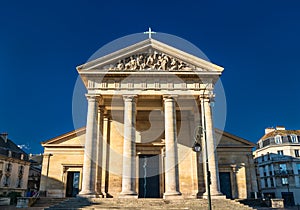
[149, 185]
[72, 183]
[225, 184]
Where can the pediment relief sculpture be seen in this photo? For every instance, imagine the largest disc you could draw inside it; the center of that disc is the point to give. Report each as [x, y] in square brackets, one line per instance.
[150, 61]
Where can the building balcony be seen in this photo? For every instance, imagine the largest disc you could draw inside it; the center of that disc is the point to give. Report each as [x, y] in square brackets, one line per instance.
[281, 158]
[283, 173]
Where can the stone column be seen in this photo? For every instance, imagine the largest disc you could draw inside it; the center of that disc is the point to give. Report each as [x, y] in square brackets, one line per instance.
[99, 149]
[129, 148]
[211, 147]
[171, 159]
[194, 157]
[90, 150]
[105, 156]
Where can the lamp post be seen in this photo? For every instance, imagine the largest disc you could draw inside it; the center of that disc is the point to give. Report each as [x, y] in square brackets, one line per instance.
[197, 148]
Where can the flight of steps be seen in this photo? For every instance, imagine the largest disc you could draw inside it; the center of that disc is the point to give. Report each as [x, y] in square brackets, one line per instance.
[146, 204]
[46, 201]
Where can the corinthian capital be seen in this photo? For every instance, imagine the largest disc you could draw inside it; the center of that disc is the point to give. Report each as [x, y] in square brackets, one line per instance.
[170, 97]
[130, 98]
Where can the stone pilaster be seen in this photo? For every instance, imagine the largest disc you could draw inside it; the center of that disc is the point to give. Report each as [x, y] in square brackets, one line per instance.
[90, 150]
[234, 182]
[129, 148]
[171, 159]
[211, 148]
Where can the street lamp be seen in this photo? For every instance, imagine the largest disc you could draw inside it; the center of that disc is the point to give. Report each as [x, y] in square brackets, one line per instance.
[197, 148]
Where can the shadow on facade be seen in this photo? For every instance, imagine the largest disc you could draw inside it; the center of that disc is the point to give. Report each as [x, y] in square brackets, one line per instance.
[51, 187]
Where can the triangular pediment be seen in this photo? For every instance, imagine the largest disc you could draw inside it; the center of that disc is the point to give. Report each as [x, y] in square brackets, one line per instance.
[74, 138]
[150, 55]
[230, 140]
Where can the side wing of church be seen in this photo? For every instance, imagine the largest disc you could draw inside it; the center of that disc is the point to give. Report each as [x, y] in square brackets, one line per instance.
[146, 105]
[235, 162]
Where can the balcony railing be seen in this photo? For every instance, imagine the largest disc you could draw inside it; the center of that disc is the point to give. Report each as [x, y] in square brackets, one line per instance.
[283, 172]
[281, 158]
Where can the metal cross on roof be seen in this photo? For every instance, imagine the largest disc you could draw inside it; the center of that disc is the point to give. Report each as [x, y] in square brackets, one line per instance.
[149, 32]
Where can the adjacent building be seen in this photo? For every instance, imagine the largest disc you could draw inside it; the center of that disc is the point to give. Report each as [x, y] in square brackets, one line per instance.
[14, 167]
[35, 169]
[278, 164]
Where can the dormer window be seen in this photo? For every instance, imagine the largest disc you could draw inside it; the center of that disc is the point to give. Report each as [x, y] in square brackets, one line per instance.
[294, 139]
[278, 139]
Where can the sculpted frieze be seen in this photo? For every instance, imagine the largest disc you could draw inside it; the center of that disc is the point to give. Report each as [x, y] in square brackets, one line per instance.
[151, 61]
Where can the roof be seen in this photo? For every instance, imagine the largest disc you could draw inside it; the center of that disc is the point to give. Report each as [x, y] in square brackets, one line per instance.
[144, 46]
[36, 159]
[67, 135]
[280, 132]
[9, 145]
[243, 142]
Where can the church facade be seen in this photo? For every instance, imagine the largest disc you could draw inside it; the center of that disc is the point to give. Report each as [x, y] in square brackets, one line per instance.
[148, 104]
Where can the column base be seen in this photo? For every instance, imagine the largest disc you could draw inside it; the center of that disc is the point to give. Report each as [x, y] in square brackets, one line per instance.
[100, 195]
[87, 194]
[129, 194]
[172, 195]
[107, 195]
[219, 196]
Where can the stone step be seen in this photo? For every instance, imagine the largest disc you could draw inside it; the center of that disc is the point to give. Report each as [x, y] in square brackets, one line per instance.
[145, 204]
[46, 202]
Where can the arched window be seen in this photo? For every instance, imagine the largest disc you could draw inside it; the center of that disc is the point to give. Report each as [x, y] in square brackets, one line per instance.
[278, 139]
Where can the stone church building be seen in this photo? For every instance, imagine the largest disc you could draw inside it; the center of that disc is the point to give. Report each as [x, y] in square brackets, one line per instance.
[148, 104]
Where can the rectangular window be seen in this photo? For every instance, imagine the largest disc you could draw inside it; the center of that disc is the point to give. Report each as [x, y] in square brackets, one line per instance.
[298, 167]
[265, 171]
[294, 138]
[272, 182]
[296, 153]
[271, 173]
[278, 139]
[284, 181]
[282, 168]
[266, 183]
[280, 152]
[6, 181]
[19, 183]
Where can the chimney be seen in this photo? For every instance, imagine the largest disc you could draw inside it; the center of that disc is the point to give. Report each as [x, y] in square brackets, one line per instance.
[280, 128]
[4, 136]
[269, 130]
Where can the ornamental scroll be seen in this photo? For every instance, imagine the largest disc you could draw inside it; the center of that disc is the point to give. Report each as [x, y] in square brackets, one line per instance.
[151, 61]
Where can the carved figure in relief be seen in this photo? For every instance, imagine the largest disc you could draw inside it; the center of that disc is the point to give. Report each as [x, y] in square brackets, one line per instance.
[173, 64]
[150, 61]
[164, 62]
[120, 66]
[183, 66]
[140, 61]
[155, 60]
[131, 65]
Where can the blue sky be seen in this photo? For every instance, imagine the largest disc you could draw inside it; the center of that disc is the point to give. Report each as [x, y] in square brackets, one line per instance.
[41, 43]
